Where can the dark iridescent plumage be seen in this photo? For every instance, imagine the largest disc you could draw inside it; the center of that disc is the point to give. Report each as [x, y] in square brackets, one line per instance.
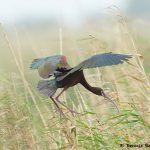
[65, 76]
[101, 60]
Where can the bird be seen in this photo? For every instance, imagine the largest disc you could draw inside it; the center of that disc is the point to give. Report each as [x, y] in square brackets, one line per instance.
[66, 76]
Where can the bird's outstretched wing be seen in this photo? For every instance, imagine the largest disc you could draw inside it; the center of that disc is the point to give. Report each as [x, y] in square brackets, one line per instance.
[100, 60]
[48, 65]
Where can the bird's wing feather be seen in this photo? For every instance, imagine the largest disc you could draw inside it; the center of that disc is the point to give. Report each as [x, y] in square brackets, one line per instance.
[100, 60]
[47, 87]
[48, 65]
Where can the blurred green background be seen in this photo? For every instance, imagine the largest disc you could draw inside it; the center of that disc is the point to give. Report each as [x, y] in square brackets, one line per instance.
[77, 29]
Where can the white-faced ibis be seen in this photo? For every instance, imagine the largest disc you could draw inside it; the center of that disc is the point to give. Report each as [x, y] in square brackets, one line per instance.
[66, 76]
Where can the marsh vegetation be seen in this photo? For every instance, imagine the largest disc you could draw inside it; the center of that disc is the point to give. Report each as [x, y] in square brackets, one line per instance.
[28, 120]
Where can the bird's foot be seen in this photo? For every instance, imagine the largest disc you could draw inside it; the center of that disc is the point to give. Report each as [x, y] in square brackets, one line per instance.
[69, 109]
[58, 108]
[60, 112]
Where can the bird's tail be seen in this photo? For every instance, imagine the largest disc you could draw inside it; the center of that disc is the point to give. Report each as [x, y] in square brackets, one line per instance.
[47, 87]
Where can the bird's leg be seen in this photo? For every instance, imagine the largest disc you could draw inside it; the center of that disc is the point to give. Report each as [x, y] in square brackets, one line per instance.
[59, 109]
[72, 111]
[108, 98]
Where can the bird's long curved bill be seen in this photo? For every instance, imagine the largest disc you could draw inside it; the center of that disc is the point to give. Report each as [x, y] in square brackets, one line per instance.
[108, 98]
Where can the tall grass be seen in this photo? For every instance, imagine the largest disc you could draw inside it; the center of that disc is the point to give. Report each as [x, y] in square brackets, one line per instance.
[28, 120]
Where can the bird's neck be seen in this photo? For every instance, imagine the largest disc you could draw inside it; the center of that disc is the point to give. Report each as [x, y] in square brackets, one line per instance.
[94, 90]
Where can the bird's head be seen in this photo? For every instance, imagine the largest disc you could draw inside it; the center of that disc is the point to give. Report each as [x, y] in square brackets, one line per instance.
[99, 91]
